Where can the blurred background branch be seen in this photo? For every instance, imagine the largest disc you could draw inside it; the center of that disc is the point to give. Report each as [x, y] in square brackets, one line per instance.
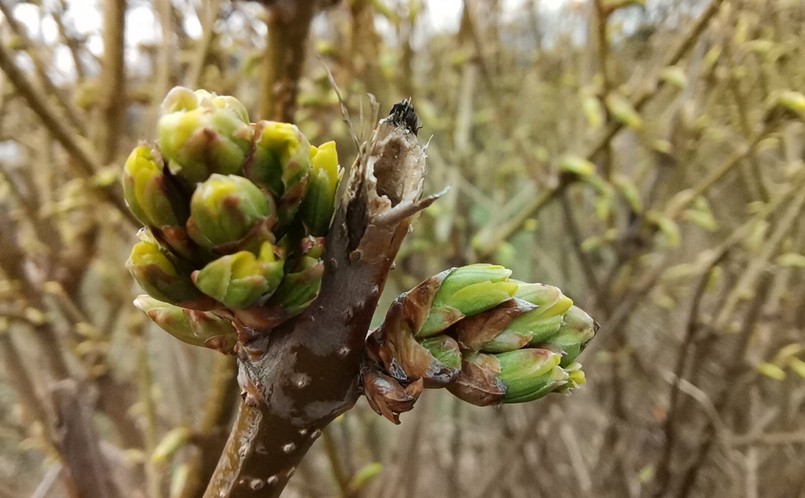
[645, 156]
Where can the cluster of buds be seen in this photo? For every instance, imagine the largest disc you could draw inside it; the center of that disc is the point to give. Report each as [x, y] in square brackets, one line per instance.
[487, 338]
[235, 215]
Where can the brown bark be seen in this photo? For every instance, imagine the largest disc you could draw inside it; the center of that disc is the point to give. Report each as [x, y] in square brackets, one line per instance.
[303, 374]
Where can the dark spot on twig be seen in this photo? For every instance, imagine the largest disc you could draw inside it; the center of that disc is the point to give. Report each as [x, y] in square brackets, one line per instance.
[403, 114]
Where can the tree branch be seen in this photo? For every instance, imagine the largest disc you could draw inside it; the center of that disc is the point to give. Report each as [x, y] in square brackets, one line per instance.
[304, 373]
[111, 108]
[211, 434]
[202, 49]
[288, 26]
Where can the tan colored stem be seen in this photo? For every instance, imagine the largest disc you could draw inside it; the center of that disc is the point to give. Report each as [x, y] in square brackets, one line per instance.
[204, 44]
[21, 381]
[340, 475]
[79, 444]
[288, 26]
[112, 84]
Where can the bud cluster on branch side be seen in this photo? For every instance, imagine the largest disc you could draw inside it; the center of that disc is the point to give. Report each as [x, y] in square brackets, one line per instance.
[487, 338]
[235, 215]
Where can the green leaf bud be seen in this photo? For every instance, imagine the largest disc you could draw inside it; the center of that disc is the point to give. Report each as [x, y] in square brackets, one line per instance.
[197, 328]
[160, 277]
[172, 442]
[299, 288]
[530, 373]
[224, 209]
[444, 349]
[576, 330]
[576, 165]
[575, 377]
[150, 195]
[514, 341]
[623, 111]
[791, 101]
[319, 202]
[466, 291]
[280, 164]
[549, 299]
[200, 133]
[491, 331]
[239, 280]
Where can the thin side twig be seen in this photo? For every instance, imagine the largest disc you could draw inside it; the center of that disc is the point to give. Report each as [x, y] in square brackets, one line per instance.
[68, 108]
[86, 163]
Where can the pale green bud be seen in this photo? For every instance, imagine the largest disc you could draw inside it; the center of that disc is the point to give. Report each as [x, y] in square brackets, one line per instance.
[159, 276]
[197, 328]
[239, 280]
[280, 164]
[466, 291]
[201, 133]
[529, 374]
[149, 194]
[319, 202]
[224, 209]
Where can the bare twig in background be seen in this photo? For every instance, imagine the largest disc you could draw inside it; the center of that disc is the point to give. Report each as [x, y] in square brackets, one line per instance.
[79, 444]
[23, 384]
[202, 50]
[339, 473]
[67, 106]
[44, 487]
[491, 238]
[112, 83]
[682, 224]
[219, 409]
[288, 25]
[87, 163]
